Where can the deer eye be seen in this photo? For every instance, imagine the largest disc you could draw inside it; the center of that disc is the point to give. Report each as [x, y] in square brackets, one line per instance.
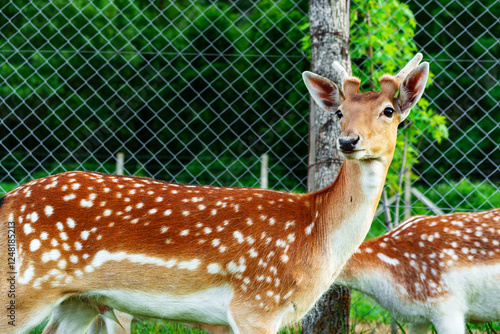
[388, 112]
[339, 114]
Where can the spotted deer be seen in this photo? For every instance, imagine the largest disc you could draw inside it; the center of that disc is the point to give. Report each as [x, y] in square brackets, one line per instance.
[253, 259]
[441, 270]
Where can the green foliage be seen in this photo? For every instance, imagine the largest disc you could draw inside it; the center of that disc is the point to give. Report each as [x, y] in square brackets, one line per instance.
[461, 38]
[381, 38]
[463, 195]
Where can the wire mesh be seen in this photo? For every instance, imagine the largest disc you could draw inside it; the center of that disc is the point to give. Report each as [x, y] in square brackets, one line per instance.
[198, 91]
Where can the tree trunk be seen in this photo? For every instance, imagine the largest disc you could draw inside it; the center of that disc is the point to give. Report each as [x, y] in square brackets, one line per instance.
[329, 31]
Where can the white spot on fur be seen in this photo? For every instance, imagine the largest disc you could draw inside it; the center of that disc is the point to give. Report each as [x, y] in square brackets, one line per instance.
[190, 265]
[232, 267]
[309, 228]
[86, 203]
[84, 235]
[53, 255]
[280, 243]
[28, 229]
[238, 236]
[214, 268]
[70, 222]
[253, 253]
[35, 245]
[62, 264]
[69, 197]
[48, 210]
[27, 275]
[34, 217]
[387, 259]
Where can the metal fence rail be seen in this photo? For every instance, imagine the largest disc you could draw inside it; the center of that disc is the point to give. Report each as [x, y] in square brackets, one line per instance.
[199, 91]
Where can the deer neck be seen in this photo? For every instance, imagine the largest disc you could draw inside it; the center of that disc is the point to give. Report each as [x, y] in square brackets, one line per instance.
[346, 208]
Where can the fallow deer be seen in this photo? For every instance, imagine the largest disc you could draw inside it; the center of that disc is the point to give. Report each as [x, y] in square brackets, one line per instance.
[441, 270]
[253, 259]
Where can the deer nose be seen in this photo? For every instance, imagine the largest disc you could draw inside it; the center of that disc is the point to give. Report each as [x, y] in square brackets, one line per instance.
[348, 144]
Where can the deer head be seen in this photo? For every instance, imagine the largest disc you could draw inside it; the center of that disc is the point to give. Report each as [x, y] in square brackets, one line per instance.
[368, 120]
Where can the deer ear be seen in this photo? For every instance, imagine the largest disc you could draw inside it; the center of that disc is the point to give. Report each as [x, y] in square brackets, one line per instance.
[412, 88]
[326, 94]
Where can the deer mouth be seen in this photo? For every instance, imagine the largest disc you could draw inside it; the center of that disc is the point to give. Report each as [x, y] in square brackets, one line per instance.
[353, 154]
[351, 151]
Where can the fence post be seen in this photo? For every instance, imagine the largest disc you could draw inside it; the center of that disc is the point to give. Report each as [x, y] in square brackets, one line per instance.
[407, 193]
[264, 160]
[120, 158]
[329, 31]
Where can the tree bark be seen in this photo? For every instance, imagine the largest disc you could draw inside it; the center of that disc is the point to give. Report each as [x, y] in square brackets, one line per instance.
[329, 31]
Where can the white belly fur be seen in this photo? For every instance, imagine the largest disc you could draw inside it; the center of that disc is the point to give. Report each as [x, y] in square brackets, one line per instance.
[209, 306]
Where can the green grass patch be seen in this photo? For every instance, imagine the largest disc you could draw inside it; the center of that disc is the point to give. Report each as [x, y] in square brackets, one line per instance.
[464, 195]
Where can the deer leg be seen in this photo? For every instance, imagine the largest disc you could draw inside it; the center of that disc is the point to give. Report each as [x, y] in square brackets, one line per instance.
[450, 323]
[105, 325]
[418, 328]
[72, 316]
[251, 321]
[125, 320]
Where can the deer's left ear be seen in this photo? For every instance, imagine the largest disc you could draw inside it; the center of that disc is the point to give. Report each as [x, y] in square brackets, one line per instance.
[412, 88]
[326, 93]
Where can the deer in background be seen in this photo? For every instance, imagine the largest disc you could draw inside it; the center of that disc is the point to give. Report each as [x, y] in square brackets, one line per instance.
[253, 259]
[441, 270]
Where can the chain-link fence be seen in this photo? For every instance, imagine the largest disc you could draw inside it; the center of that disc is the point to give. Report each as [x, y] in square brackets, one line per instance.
[200, 91]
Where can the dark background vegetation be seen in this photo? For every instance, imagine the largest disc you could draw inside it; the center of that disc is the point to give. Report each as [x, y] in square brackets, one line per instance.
[82, 81]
